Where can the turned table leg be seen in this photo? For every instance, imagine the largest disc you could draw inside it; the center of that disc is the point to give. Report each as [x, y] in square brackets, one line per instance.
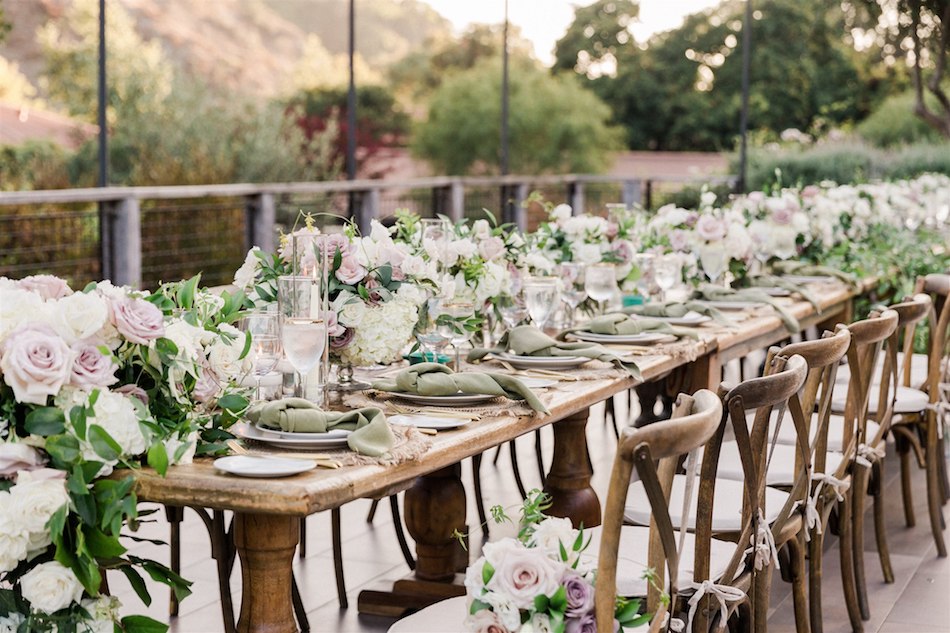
[435, 508]
[265, 544]
[568, 482]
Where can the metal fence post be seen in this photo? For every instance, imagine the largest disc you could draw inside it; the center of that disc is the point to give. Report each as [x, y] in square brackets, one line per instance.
[368, 208]
[122, 242]
[456, 200]
[631, 193]
[521, 214]
[575, 193]
[261, 214]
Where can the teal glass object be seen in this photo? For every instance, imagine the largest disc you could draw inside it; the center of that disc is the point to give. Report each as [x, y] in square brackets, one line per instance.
[430, 357]
[632, 300]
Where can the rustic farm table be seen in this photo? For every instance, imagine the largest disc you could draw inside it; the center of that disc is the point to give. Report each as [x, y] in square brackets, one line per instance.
[266, 511]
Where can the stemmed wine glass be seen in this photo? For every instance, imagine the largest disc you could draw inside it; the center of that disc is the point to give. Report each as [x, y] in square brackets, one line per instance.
[573, 292]
[451, 315]
[303, 328]
[264, 329]
[428, 334]
[714, 261]
[541, 299]
[600, 281]
[645, 269]
[512, 309]
[667, 272]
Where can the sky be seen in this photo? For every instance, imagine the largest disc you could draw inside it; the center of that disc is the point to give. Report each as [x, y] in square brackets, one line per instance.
[543, 22]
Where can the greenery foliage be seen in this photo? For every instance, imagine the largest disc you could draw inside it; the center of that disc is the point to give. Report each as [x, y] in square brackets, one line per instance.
[893, 122]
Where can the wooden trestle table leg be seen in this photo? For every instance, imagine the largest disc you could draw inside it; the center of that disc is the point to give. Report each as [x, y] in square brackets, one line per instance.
[568, 481]
[265, 544]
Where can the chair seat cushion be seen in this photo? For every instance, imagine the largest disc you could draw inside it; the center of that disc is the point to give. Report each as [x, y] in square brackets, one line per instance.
[787, 434]
[727, 504]
[836, 430]
[918, 370]
[908, 400]
[633, 558]
[781, 468]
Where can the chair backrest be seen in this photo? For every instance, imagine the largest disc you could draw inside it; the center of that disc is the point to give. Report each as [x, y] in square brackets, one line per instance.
[910, 312]
[936, 286]
[654, 451]
[867, 340]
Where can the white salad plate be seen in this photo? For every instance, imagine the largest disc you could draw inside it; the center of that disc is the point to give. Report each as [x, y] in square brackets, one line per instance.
[734, 305]
[542, 362]
[427, 421]
[536, 383]
[300, 440]
[644, 338]
[460, 399]
[809, 279]
[690, 318]
[254, 466]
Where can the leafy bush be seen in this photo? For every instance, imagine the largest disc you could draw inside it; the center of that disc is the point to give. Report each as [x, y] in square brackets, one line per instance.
[33, 165]
[894, 123]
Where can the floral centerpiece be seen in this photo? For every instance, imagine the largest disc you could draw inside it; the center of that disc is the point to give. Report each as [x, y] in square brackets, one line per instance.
[374, 290]
[93, 381]
[777, 224]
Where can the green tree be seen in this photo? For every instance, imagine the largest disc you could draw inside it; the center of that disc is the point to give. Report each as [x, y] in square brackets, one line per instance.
[4, 25]
[554, 125]
[599, 31]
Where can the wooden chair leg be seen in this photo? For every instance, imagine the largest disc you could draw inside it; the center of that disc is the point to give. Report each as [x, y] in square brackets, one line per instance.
[880, 529]
[796, 552]
[338, 558]
[762, 582]
[479, 499]
[513, 451]
[907, 490]
[400, 532]
[223, 552]
[539, 456]
[944, 479]
[299, 609]
[371, 515]
[815, 551]
[174, 516]
[934, 494]
[859, 484]
[302, 548]
[847, 563]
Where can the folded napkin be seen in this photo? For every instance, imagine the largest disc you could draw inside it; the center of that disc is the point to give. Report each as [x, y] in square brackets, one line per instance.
[773, 281]
[371, 433]
[527, 340]
[433, 379]
[806, 269]
[677, 310]
[709, 292]
[624, 325]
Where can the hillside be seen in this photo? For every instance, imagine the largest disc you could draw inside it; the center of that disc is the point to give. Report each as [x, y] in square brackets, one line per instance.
[248, 46]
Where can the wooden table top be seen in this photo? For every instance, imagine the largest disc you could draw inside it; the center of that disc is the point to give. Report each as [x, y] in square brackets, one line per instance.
[199, 484]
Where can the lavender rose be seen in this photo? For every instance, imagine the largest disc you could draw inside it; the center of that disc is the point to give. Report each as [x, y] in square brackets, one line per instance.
[46, 286]
[583, 624]
[35, 363]
[350, 270]
[135, 391]
[92, 368]
[16, 457]
[710, 228]
[341, 341]
[524, 574]
[137, 320]
[580, 595]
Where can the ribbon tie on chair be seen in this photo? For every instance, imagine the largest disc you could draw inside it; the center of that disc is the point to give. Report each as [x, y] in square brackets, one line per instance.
[812, 516]
[763, 544]
[724, 594]
[867, 454]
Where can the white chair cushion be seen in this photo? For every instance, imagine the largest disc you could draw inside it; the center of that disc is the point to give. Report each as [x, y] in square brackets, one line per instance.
[908, 400]
[632, 558]
[727, 508]
[836, 429]
[787, 434]
[781, 468]
[918, 370]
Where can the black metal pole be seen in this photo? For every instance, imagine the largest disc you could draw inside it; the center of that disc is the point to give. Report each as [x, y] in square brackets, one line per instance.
[744, 115]
[103, 131]
[507, 213]
[351, 102]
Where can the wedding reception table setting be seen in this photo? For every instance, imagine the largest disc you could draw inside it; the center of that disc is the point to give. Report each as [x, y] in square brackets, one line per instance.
[350, 365]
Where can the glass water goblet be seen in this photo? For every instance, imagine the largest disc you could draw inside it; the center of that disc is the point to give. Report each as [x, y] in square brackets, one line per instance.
[264, 330]
[541, 299]
[452, 318]
[431, 340]
[512, 310]
[303, 328]
[714, 261]
[645, 270]
[573, 292]
[667, 272]
[600, 281]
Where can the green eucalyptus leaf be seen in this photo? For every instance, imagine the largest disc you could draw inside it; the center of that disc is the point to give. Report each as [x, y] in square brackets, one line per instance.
[45, 421]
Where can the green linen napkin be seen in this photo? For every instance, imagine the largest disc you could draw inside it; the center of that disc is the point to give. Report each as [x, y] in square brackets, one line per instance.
[773, 281]
[804, 268]
[709, 292]
[677, 310]
[624, 325]
[434, 379]
[371, 433]
[527, 340]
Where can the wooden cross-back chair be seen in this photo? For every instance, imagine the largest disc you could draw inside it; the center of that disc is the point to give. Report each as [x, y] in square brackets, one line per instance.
[920, 429]
[654, 452]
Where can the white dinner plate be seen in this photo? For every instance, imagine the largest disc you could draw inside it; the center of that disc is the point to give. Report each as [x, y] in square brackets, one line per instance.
[296, 435]
[253, 466]
[690, 318]
[461, 399]
[542, 362]
[536, 383]
[644, 338]
[775, 291]
[306, 440]
[427, 421]
[734, 305]
[809, 279]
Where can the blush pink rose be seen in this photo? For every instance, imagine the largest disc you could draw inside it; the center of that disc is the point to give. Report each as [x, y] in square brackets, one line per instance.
[491, 248]
[333, 324]
[16, 457]
[135, 391]
[334, 243]
[756, 196]
[46, 286]
[137, 320]
[92, 368]
[36, 363]
[612, 229]
[485, 621]
[679, 240]
[782, 216]
[810, 191]
[524, 574]
[350, 270]
[710, 228]
[207, 386]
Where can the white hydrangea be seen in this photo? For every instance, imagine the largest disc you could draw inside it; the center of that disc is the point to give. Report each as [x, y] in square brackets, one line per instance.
[384, 331]
[117, 415]
[225, 353]
[14, 535]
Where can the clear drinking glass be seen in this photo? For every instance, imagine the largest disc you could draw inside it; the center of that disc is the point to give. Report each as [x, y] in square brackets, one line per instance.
[451, 318]
[435, 234]
[600, 281]
[645, 267]
[573, 292]
[512, 309]
[264, 328]
[303, 328]
[714, 261]
[431, 340]
[667, 272]
[541, 299]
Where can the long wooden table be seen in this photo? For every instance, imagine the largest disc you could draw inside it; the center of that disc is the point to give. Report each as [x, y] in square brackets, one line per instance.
[266, 528]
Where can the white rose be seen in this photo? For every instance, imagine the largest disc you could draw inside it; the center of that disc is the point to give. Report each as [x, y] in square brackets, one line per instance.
[78, 316]
[172, 444]
[561, 213]
[225, 355]
[586, 253]
[50, 587]
[707, 199]
[537, 262]
[18, 306]
[525, 574]
[117, 415]
[14, 537]
[352, 313]
[245, 275]
[553, 532]
[377, 231]
[481, 230]
[463, 248]
[187, 338]
[11, 622]
[34, 501]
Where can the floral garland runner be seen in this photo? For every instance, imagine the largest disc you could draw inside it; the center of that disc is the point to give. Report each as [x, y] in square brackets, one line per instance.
[93, 381]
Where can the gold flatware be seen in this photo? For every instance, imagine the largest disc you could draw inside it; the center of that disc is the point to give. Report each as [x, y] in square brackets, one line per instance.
[442, 413]
[323, 460]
